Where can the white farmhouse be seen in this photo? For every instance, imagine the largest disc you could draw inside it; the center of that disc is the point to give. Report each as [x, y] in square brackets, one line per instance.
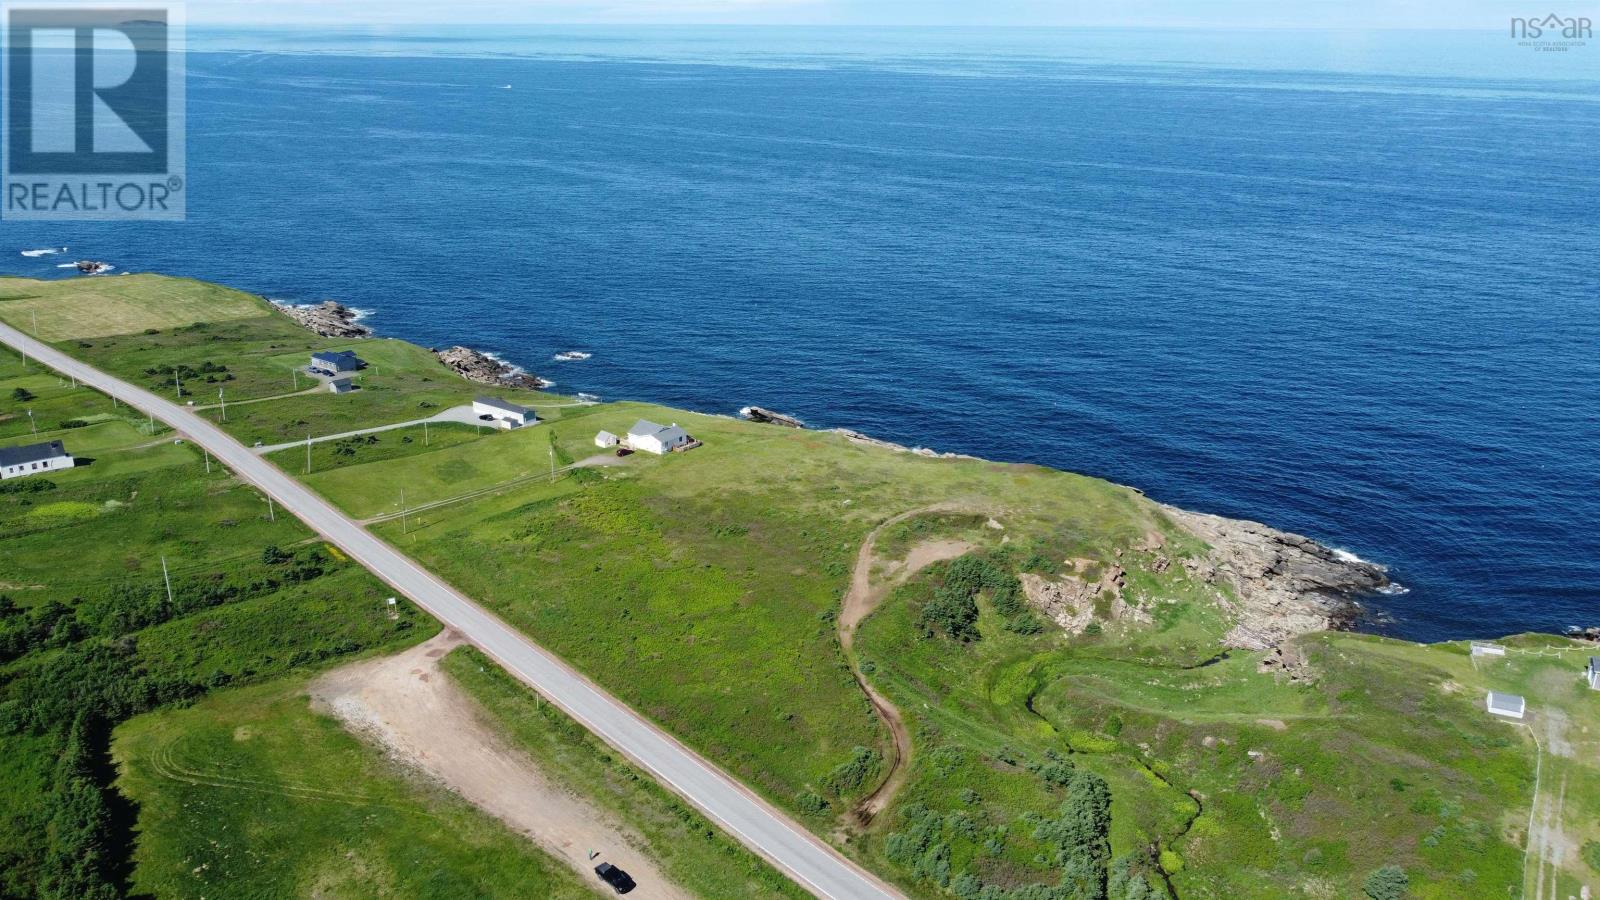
[648, 437]
[1510, 706]
[605, 439]
[15, 462]
[503, 413]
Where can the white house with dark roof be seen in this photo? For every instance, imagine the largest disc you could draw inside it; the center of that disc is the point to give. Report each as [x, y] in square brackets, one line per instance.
[34, 459]
[503, 413]
[1510, 706]
[648, 437]
[340, 385]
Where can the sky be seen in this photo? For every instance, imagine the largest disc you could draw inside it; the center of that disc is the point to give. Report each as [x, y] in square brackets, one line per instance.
[1382, 14]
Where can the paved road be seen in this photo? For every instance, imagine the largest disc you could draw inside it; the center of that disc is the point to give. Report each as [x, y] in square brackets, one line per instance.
[758, 825]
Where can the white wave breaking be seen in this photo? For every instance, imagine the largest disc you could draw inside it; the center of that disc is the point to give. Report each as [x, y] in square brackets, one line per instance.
[48, 251]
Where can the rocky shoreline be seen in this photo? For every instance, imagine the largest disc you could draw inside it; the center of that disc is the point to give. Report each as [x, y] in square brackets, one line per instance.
[481, 368]
[328, 318]
[335, 320]
[1278, 585]
[1283, 584]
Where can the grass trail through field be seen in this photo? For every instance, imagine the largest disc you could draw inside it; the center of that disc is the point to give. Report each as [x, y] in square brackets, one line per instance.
[859, 602]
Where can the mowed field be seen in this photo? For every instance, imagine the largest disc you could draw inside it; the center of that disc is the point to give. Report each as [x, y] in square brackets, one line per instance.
[252, 794]
[117, 304]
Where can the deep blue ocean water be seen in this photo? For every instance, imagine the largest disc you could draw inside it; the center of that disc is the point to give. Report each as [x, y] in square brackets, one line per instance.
[1344, 285]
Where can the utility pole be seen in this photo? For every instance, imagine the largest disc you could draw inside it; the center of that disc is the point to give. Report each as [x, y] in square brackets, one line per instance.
[552, 465]
[224, 401]
[177, 383]
[308, 453]
[270, 516]
[403, 528]
[207, 454]
[424, 432]
[168, 580]
[31, 423]
[296, 374]
[35, 322]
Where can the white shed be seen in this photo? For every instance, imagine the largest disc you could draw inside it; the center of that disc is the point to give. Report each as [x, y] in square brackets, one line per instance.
[32, 459]
[605, 439]
[1510, 706]
[1591, 673]
[648, 437]
[503, 413]
[1479, 648]
[340, 385]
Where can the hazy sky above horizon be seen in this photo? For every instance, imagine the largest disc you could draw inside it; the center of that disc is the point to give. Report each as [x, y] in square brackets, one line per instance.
[1457, 14]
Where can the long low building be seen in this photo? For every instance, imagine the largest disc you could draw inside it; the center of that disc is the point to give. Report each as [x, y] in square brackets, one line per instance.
[503, 412]
[33, 459]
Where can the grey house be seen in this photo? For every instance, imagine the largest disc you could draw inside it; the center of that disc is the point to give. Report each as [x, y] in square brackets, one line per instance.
[332, 362]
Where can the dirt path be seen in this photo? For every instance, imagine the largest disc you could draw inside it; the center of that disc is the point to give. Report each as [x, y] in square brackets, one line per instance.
[407, 704]
[859, 602]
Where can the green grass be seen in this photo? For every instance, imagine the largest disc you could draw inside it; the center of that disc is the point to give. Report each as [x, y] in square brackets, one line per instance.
[89, 631]
[251, 794]
[702, 589]
[91, 307]
[365, 449]
[695, 854]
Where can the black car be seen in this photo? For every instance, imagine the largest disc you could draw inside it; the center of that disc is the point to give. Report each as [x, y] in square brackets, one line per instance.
[618, 879]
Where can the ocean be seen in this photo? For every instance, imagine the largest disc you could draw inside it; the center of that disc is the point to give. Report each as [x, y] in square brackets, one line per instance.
[1342, 283]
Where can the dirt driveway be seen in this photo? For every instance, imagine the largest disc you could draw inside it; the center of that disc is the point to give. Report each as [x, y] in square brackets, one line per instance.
[410, 707]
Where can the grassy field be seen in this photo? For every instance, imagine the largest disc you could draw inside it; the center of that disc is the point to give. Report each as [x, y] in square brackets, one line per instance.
[90, 632]
[92, 307]
[251, 794]
[697, 856]
[1129, 762]
[191, 342]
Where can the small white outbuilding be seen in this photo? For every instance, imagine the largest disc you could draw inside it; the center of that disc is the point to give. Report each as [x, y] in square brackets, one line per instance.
[1591, 673]
[1479, 648]
[605, 439]
[1510, 706]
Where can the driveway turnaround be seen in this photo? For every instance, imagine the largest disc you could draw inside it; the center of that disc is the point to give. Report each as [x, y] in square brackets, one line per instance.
[748, 818]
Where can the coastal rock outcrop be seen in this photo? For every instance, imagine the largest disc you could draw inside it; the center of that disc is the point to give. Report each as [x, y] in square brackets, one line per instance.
[1284, 584]
[480, 367]
[328, 319]
[768, 417]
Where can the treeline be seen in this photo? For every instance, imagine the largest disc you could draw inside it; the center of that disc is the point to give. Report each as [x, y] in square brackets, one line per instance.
[132, 606]
[74, 672]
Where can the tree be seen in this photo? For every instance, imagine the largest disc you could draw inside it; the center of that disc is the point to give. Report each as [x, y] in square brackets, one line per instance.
[1387, 883]
[22, 395]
